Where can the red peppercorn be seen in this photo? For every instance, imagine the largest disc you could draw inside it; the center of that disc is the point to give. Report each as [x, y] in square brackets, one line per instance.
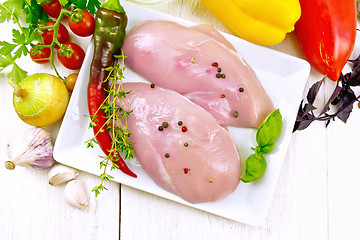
[222, 95]
[184, 129]
[186, 170]
[215, 64]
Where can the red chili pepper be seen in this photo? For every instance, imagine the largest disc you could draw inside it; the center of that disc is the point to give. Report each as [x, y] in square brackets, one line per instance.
[108, 38]
[326, 33]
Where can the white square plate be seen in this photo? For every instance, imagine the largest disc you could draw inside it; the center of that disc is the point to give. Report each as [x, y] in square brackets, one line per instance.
[284, 78]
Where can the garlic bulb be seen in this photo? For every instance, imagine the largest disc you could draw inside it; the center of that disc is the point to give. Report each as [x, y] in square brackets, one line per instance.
[59, 174]
[76, 194]
[33, 148]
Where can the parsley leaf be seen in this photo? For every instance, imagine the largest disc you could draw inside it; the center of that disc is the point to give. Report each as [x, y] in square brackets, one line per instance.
[89, 5]
[34, 12]
[21, 51]
[17, 74]
[80, 4]
[14, 6]
[6, 48]
[92, 6]
[5, 61]
[63, 2]
[18, 37]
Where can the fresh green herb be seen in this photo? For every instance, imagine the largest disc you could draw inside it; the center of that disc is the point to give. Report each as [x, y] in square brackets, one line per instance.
[25, 34]
[266, 136]
[116, 123]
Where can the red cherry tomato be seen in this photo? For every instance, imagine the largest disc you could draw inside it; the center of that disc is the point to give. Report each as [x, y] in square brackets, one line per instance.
[53, 8]
[37, 53]
[62, 35]
[76, 59]
[85, 27]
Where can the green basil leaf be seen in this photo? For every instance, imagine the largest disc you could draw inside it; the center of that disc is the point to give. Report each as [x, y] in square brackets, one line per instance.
[255, 166]
[269, 131]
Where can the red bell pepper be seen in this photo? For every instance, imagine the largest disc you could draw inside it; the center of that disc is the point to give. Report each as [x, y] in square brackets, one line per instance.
[326, 32]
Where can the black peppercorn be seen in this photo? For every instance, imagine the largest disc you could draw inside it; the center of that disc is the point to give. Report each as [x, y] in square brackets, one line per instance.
[235, 114]
[165, 124]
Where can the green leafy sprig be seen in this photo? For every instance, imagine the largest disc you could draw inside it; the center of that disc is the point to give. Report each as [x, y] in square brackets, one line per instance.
[266, 136]
[30, 31]
[116, 123]
[22, 38]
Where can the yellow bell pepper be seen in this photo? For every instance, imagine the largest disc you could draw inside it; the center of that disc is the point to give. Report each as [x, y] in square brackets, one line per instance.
[264, 22]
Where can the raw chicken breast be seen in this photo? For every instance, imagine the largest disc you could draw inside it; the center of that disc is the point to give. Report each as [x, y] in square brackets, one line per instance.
[188, 60]
[180, 145]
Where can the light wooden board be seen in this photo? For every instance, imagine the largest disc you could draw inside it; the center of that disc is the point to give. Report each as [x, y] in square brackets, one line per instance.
[317, 196]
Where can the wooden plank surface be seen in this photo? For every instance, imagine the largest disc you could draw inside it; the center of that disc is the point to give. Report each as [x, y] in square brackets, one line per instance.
[317, 195]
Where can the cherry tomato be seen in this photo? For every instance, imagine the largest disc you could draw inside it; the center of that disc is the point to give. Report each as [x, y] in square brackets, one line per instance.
[76, 59]
[70, 81]
[53, 8]
[62, 36]
[85, 27]
[40, 53]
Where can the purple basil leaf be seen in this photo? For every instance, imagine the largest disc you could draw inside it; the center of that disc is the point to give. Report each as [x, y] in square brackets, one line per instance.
[334, 95]
[345, 113]
[353, 78]
[347, 99]
[314, 91]
[308, 108]
[301, 125]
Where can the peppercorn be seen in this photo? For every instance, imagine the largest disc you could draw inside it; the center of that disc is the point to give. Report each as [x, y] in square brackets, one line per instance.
[215, 64]
[186, 144]
[218, 75]
[235, 114]
[193, 60]
[222, 95]
[152, 85]
[241, 89]
[184, 129]
[223, 75]
[180, 123]
[186, 170]
[165, 124]
[219, 69]
[167, 155]
[210, 180]
[160, 128]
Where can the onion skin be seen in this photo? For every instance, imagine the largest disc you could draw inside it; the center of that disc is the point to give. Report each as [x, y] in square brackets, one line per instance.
[41, 99]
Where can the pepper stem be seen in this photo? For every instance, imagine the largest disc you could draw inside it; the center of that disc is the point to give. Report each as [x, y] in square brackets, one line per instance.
[113, 5]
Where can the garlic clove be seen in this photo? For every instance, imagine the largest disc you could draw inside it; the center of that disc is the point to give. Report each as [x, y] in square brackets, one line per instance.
[76, 194]
[60, 174]
[34, 148]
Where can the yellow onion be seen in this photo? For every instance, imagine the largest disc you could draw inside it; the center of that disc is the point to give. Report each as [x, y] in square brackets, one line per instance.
[40, 99]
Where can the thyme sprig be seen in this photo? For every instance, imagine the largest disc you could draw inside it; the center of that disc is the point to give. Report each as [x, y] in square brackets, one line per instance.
[116, 122]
